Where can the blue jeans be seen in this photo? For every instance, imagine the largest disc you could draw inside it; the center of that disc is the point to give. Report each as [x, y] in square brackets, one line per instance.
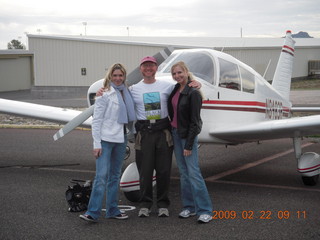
[194, 193]
[107, 180]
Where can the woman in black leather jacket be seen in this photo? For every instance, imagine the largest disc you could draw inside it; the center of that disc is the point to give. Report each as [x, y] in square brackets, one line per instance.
[184, 105]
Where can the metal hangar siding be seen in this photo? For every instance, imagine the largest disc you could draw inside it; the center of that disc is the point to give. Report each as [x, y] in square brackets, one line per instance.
[80, 61]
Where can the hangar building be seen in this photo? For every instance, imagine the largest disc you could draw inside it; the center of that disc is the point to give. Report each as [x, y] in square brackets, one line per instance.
[60, 62]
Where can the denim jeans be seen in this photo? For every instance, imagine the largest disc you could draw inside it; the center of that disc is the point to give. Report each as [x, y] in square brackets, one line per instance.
[194, 193]
[107, 179]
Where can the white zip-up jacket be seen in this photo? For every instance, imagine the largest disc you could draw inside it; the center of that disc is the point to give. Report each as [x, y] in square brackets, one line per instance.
[105, 124]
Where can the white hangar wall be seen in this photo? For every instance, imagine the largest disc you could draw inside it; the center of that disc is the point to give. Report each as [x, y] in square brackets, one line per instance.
[75, 61]
[69, 62]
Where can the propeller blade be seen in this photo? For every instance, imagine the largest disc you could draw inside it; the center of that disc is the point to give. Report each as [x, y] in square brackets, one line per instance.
[135, 76]
[75, 122]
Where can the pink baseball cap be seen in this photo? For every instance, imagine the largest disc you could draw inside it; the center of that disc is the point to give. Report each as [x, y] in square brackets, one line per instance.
[148, 59]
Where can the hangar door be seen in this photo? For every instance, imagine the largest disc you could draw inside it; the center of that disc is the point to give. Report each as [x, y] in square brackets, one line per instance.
[16, 72]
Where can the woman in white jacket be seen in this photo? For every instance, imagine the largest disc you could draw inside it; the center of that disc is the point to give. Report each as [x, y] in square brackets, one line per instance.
[112, 111]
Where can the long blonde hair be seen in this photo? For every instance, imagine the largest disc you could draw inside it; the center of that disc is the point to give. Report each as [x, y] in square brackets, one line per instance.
[116, 66]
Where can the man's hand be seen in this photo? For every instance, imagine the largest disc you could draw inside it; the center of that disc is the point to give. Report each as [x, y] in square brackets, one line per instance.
[100, 92]
[195, 84]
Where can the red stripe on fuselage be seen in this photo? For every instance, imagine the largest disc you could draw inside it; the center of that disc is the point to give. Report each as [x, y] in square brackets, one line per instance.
[245, 103]
[238, 106]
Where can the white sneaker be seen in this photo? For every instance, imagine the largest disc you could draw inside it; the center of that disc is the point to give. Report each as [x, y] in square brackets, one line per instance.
[186, 213]
[204, 218]
[144, 212]
[163, 212]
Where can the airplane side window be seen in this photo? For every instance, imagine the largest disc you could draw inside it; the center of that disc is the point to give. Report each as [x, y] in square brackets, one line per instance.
[248, 82]
[229, 75]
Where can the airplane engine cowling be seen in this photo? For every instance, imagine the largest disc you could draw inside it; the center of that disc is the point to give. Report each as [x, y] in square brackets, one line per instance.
[130, 178]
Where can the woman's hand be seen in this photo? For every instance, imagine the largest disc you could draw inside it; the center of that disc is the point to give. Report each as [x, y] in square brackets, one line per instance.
[187, 153]
[97, 152]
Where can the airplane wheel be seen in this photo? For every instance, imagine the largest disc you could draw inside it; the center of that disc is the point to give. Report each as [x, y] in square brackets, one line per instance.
[310, 181]
[132, 196]
[128, 152]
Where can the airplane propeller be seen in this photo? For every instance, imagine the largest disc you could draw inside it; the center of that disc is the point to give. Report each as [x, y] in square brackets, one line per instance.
[75, 122]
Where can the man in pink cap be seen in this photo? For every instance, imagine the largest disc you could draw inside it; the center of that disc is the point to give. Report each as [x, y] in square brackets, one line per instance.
[153, 141]
[154, 145]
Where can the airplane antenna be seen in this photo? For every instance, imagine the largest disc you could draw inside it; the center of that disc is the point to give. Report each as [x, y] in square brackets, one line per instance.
[265, 72]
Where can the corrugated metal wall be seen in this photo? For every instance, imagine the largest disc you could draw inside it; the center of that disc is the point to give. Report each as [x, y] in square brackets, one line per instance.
[59, 62]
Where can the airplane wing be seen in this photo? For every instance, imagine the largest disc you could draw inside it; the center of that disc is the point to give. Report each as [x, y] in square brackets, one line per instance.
[38, 111]
[274, 129]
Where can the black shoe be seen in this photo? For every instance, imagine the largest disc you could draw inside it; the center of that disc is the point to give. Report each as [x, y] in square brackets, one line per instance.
[88, 218]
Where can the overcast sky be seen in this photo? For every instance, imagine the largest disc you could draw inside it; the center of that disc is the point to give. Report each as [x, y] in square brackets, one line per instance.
[212, 18]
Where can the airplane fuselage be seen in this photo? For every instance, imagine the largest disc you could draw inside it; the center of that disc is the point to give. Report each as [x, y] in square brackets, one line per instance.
[234, 94]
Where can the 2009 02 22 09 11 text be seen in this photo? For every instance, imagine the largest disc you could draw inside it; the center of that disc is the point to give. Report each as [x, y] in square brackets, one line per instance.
[263, 214]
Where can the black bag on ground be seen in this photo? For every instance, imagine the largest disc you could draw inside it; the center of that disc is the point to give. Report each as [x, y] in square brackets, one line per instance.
[78, 195]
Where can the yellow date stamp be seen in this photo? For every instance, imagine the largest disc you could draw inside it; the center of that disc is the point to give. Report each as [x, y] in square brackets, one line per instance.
[263, 214]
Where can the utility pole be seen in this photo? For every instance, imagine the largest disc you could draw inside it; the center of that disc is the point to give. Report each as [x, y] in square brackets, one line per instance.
[85, 28]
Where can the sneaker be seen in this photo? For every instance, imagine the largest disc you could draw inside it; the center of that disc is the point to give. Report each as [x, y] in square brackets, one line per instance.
[87, 218]
[163, 212]
[204, 218]
[121, 216]
[186, 213]
[144, 212]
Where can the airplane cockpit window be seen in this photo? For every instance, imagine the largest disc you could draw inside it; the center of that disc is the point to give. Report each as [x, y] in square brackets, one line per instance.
[229, 75]
[248, 82]
[199, 63]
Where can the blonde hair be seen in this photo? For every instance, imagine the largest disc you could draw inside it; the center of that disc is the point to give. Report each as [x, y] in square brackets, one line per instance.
[116, 66]
[184, 67]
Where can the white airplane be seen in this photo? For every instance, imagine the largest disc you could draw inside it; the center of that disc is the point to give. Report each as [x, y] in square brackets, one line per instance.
[240, 106]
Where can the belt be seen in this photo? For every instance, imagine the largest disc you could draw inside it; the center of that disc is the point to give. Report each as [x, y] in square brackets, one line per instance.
[153, 124]
[151, 121]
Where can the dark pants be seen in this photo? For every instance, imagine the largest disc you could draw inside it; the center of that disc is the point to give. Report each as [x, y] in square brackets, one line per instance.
[155, 154]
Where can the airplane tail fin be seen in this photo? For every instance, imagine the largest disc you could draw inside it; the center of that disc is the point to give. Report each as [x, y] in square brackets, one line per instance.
[282, 76]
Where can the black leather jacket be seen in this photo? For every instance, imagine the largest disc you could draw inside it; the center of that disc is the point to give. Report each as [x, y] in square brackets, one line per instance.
[189, 120]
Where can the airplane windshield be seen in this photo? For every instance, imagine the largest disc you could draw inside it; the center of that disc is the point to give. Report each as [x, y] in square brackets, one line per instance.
[199, 63]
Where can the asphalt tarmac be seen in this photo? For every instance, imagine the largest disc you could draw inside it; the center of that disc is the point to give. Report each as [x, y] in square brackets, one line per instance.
[256, 191]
